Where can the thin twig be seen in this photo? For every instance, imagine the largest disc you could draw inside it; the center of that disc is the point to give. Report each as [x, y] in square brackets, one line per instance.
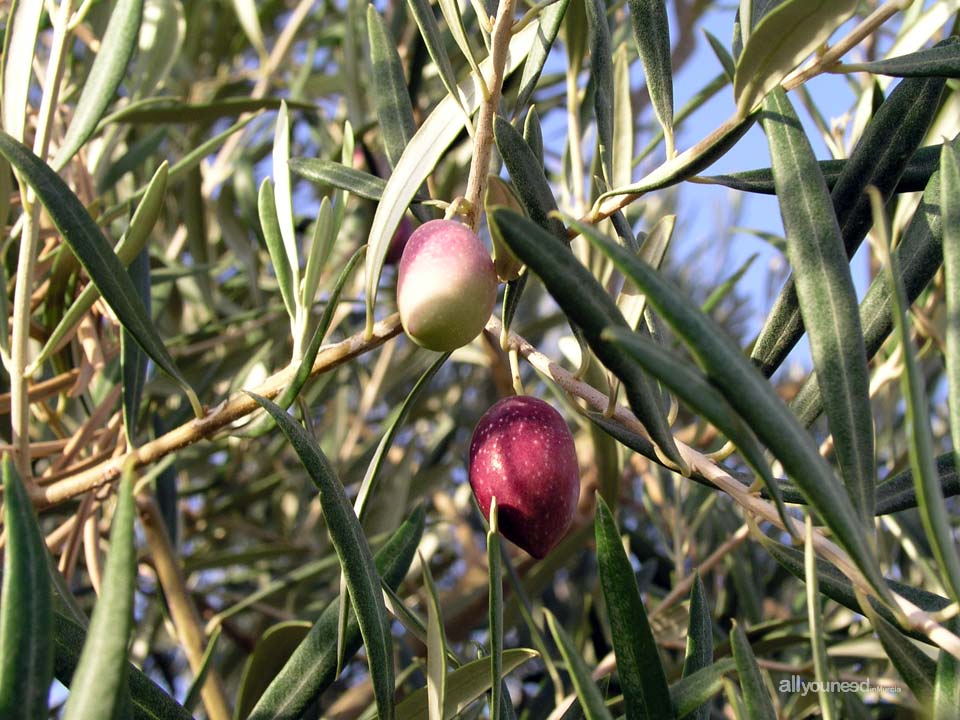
[483, 140]
[237, 407]
[186, 620]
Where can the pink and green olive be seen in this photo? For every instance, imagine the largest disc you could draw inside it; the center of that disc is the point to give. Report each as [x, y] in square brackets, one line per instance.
[523, 454]
[446, 285]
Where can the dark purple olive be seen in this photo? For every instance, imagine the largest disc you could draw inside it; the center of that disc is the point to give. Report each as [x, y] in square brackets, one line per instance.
[522, 452]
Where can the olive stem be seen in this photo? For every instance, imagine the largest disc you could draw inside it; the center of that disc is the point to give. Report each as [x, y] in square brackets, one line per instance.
[483, 139]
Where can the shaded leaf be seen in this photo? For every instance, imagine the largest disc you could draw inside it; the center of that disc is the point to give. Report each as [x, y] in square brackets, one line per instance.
[695, 689]
[26, 647]
[699, 651]
[591, 701]
[133, 361]
[755, 695]
[389, 88]
[99, 683]
[352, 548]
[915, 175]
[601, 74]
[312, 667]
[271, 654]
[933, 510]
[695, 390]
[149, 701]
[464, 685]
[642, 677]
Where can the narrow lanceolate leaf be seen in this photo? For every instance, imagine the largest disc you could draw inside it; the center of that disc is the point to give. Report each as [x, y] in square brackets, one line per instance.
[108, 71]
[651, 30]
[270, 225]
[129, 247]
[133, 361]
[283, 199]
[891, 138]
[900, 492]
[780, 42]
[815, 623]
[623, 130]
[312, 667]
[699, 651]
[95, 254]
[912, 664]
[933, 510]
[436, 649]
[390, 88]
[950, 213]
[915, 175]
[601, 74]
[589, 307]
[495, 614]
[246, 11]
[690, 693]
[149, 701]
[274, 647]
[421, 155]
[100, 680]
[527, 173]
[551, 18]
[645, 691]
[356, 560]
[697, 392]
[20, 40]
[920, 256]
[26, 648]
[591, 700]
[940, 61]
[430, 31]
[464, 686]
[837, 586]
[451, 13]
[828, 301]
[688, 163]
[946, 686]
[752, 396]
[755, 695]
[328, 172]
[321, 245]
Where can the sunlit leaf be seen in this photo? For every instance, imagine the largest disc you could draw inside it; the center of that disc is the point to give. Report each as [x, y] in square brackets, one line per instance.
[780, 41]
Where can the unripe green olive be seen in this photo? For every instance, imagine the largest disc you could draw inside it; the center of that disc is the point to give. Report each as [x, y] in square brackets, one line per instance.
[446, 286]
